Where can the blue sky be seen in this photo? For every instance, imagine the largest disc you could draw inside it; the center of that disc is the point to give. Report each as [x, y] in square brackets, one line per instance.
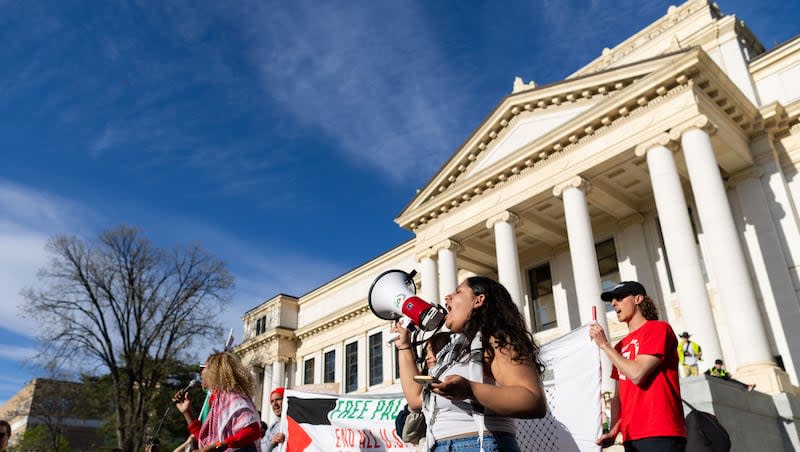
[283, 136]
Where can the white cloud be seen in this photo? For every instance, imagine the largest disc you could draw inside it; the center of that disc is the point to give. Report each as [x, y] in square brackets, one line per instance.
[28, 219]
[15, 353]
[370, 76]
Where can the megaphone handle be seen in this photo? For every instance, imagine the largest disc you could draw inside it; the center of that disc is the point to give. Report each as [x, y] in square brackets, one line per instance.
[405, 322]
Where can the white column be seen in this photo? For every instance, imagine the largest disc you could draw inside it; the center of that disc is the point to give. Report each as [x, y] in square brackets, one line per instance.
[448, 272]
[634, 261]
[582, 250]
[726, 255]
[769, 264]
[564, 291]
[278, 378]
[679, 242]
[583, 256]
[507, 255]
[430, 277]
[257, 374]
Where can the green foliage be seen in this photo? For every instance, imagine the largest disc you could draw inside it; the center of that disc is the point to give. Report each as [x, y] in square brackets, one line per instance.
[40, 438]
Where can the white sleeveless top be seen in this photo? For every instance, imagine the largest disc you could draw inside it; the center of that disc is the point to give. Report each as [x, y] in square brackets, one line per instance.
[454, 417]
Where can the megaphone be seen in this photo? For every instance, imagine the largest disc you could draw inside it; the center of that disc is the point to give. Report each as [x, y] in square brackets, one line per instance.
[392, 296]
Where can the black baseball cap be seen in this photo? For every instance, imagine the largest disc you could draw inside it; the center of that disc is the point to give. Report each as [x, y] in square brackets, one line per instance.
[622, 290]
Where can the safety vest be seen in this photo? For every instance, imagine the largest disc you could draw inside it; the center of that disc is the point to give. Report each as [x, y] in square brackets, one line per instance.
[693, 347]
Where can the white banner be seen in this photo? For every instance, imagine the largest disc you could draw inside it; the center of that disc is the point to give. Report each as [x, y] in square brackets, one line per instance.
[572, 384]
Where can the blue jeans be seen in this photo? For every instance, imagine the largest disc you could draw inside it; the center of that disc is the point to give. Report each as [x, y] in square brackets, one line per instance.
[493, 442]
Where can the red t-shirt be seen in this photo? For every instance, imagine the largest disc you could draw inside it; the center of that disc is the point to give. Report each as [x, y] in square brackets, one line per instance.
[653, 407]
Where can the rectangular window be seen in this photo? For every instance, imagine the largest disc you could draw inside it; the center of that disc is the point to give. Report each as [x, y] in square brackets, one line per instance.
[544, 307]
[351, 367]
[608, 265]
[376, 359]
[261, 325]
[308, 372]
[330, 367]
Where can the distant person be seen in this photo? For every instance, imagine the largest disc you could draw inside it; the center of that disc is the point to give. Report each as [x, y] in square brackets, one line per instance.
[689, 353]
[233, 421]
[274, 436]
[646, 407]
[5, 435]
[720, 371]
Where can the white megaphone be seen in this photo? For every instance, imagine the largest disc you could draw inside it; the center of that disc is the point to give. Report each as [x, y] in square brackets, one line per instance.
[393, 296]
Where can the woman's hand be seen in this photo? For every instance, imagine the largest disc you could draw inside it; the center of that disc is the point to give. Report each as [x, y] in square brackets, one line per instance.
[404, 341]
[182, 401]
[453, 387]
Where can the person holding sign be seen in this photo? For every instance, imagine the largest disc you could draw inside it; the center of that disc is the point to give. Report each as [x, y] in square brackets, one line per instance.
[488, 374]
[646, 407]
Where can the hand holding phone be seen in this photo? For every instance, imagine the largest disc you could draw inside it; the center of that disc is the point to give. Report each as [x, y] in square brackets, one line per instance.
[426, 379]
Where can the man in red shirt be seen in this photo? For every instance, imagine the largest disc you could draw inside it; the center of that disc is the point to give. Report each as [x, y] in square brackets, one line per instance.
[646, 406]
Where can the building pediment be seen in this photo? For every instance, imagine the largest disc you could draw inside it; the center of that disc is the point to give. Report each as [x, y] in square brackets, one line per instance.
[611, 98]
[525, 129]
[522, 119]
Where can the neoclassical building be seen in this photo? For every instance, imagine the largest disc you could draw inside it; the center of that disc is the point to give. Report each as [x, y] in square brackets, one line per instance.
[671, 159]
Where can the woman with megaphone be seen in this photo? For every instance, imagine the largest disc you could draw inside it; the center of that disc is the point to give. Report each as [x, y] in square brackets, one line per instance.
[487, 375]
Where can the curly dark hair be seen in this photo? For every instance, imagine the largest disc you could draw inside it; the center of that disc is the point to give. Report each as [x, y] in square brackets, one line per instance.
[648, 308]
[499, 318]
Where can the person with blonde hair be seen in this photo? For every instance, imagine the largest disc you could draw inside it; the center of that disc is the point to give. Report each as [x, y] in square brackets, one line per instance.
[233, 421]
[646, 407]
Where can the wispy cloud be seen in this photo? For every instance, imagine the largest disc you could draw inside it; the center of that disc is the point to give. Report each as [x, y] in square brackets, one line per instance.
[27, 220]
[15, 353]
[368, 75]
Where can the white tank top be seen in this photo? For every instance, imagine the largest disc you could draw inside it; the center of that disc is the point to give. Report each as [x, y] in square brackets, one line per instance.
[454, 417]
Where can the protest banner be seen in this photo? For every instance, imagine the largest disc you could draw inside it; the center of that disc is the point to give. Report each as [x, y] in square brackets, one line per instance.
[339, 423]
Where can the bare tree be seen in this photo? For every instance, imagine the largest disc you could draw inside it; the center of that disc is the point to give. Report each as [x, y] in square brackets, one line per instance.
[129, 308]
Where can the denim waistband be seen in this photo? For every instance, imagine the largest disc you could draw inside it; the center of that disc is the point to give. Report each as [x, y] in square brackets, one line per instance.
[492, 442]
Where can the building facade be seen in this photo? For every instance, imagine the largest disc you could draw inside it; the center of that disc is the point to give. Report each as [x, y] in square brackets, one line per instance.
[671, 159]
[52, 405]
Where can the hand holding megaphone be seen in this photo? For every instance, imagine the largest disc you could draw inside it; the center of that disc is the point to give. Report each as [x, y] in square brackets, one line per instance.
[392, 296]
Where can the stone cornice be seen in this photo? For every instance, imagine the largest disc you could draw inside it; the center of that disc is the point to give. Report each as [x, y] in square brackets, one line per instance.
[610, 113]
[265, 339]
[752, 172]
[597, 87]
[427, 253]
[674, 16]
[778, 56]
[264, 307]
[693, 70]
[505, 216]
[328, 323]
[448, 244]
[573, 182]
[662, 139]
[701, 122]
